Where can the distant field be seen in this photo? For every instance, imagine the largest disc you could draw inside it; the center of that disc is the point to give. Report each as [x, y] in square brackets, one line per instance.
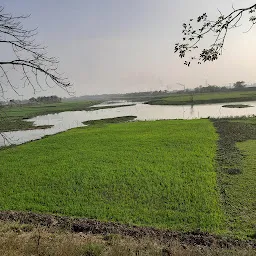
[12, 117]
[41, 109]
[248, 120]
[159, 173]
[204, 98]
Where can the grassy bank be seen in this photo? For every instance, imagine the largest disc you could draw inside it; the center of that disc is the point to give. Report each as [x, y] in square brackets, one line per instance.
[236, 173]
[159, 173]
[205, 98]
[237, 106]
[114, 120]
[12, 117]
[27, 239]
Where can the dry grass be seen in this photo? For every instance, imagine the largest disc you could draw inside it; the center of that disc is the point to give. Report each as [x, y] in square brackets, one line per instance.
[23, 240]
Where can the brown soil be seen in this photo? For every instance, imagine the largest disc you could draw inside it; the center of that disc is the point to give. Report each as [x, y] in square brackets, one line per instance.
[89, 226]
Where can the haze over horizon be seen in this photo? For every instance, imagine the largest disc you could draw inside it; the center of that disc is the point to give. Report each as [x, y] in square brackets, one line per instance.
[118, 46]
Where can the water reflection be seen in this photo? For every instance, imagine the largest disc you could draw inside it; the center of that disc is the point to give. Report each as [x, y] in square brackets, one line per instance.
[67, 120]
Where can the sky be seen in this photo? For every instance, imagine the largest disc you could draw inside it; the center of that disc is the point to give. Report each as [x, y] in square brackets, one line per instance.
[119, 46]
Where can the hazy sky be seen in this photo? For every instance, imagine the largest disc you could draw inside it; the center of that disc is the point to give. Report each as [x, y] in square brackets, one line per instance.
[111, 46]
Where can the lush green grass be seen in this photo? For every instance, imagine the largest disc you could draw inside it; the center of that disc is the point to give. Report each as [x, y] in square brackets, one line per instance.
[248, 120]
[237, 174]
[243, 191]
[204, 98]
[159, 173]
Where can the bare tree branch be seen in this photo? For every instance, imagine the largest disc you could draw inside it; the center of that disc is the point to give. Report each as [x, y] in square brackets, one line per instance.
[28, 59]
[218, 28]
[31, 59]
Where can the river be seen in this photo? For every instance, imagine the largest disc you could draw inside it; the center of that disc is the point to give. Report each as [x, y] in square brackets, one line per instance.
[67, 120]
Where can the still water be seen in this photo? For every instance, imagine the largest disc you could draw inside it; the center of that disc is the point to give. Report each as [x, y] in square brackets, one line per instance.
[67, 120]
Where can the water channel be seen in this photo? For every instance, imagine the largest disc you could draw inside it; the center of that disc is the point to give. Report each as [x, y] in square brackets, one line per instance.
[67, 120]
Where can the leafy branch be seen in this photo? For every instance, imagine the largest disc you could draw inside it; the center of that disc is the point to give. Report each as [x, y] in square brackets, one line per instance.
[218, 28]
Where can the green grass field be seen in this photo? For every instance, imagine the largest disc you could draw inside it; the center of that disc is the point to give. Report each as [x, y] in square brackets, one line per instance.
[236, 174]
[159, 173]
[243, 190]
[247, 120]
[204, 98]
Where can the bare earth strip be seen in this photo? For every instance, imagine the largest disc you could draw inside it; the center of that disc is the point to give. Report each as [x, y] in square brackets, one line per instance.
[89, 226]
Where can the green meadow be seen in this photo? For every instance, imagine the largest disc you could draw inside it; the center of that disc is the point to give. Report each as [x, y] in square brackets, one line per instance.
[243, 191]
[236, 161]
[176, 174]
[157, 173]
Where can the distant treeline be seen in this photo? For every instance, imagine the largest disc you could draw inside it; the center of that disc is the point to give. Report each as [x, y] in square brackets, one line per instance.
[237, 86]
[45, 99]
[148, 95]
[31, 101]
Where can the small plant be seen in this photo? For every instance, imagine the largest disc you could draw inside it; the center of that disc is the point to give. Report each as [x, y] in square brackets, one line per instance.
[111, 238]
[91, 249]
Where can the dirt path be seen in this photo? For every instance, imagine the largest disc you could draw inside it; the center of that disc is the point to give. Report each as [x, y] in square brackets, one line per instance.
[89, 226]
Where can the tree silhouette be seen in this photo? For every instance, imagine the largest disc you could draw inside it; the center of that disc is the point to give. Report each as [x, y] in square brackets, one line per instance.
[27, 58]
[218, 28]
[30, 59]
[239, 85]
